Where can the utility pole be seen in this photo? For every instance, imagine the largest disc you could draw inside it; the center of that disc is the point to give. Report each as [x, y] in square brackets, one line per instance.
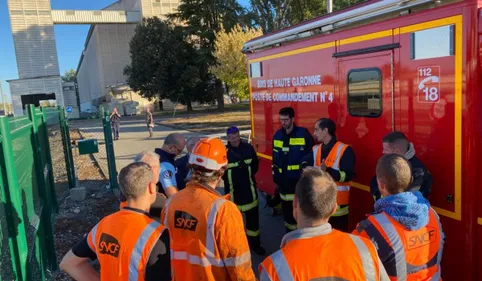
[3, 98]
[329, 6]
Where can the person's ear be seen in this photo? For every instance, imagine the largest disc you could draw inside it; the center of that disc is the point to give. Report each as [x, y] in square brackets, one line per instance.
[334, 209]
[152, 188]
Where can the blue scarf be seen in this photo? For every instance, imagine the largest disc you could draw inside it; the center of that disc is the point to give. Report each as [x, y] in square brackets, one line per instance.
[410, 209]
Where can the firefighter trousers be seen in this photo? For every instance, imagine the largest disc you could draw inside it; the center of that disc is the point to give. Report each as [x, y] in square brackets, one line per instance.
[252, 227]
[290, 222]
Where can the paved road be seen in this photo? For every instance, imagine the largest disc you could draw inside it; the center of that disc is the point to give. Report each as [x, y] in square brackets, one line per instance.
[133, 138]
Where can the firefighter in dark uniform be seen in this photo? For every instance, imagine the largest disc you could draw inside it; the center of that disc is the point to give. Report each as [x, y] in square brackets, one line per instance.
[290, 144]
[338, 160]
[240, 183]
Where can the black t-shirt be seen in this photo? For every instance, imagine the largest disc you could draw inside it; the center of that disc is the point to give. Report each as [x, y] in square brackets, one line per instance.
[159, 264]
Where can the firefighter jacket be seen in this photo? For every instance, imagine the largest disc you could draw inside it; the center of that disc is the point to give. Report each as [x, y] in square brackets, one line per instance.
[409, 236]
[239, 180]
[421, 177]
[332, 157]
[288, 150]
[208, 238]
[123, 255]
[320, 252]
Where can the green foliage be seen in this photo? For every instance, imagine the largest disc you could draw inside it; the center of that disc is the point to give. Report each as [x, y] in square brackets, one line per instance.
[69, 75]
[271, 15]
[166, 65]
[231, 66]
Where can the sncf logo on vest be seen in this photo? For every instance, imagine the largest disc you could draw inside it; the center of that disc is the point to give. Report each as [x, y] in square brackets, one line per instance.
[184, 220]
[421, 238]
[109, 245]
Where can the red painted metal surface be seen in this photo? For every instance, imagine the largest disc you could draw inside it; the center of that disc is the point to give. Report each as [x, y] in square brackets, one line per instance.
[431, 126]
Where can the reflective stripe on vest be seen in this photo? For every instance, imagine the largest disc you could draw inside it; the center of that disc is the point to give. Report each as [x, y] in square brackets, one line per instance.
[284, 273]
[140, 248]
[245, 207]
[210, 257]
[403, 268]
[343, 189]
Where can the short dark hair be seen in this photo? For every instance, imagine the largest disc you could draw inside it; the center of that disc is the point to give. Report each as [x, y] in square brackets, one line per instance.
[316, 193]
[289, 111]
[394, 137]
[328, 124]
[397, 140]
[395, 171]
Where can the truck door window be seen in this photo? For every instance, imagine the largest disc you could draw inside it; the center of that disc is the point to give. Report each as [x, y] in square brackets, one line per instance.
[255, 70]
[432, 43]
[364, 91]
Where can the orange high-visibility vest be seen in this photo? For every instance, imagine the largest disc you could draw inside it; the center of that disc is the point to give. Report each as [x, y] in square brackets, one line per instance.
[407, 255]
[333, 161]
[122, 242]
[320, 252]
[208, 238]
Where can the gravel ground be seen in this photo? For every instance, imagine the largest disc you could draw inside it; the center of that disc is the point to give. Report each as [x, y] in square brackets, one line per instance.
[75, 219]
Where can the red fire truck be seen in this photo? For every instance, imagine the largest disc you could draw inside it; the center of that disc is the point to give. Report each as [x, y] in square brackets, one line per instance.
[411, 66]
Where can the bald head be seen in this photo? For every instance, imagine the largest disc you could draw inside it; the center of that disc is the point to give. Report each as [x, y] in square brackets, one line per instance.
[174, 143]
[191, 142]
[316, 194]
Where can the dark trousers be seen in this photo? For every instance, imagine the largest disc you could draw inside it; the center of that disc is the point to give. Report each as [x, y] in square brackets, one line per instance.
[339, 223]
[252, 227]
[290, 222]
[115, 130]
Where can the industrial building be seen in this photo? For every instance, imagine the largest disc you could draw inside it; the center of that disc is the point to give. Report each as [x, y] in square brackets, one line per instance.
[99, 77]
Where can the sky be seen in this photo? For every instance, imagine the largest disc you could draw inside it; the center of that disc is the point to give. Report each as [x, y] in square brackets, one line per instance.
[70, 39]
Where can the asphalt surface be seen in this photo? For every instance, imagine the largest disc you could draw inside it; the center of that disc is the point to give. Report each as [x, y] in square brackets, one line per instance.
[133, 138]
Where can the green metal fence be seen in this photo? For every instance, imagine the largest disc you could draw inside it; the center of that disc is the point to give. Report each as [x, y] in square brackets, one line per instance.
[27, 196]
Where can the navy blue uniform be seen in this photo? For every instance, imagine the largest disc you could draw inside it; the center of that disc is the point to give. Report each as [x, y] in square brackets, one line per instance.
[183, 172]
[239, 181]
[288, 151]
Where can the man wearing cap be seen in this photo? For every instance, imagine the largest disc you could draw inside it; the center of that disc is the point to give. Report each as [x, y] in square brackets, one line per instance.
[240, 183]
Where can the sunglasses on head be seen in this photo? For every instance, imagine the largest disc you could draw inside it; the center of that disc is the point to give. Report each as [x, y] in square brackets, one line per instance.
[232, 130]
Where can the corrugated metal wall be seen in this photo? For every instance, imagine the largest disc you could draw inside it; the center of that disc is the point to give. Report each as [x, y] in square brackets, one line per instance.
[88, 17]
[34, 39]
[46, 85]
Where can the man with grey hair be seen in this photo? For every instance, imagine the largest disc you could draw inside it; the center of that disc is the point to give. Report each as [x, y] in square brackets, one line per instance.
[152, 159]
[173, 146]
[129, 244]
[183, 172]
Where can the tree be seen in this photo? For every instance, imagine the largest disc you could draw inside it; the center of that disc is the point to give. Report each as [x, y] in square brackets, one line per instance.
[166, 65]
[231, 63]
[69, 75]
[203, 18]
[271, 15]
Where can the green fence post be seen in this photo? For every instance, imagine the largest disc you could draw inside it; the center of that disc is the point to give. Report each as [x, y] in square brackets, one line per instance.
[44, 172]
[18, 237]
[69, 159]
[109, 147]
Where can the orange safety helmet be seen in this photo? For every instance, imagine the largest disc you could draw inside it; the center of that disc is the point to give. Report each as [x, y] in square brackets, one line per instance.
[209, 153]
